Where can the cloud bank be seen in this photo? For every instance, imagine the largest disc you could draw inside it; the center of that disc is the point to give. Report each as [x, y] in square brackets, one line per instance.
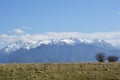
[18, 34]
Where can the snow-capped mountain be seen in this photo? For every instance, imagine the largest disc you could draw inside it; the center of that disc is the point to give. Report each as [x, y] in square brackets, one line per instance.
[55, 50]
[70, 41]
[25, 45]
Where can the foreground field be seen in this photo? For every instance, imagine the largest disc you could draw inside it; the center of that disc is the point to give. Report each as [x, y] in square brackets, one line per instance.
[70, 71]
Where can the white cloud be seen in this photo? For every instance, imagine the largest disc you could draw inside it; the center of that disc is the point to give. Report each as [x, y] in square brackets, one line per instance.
[18, 31]
[111, 37]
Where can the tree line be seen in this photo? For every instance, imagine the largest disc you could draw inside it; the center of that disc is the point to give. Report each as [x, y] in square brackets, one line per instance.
[100, 57]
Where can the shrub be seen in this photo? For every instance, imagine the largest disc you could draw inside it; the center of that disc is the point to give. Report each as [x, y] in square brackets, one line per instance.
[100, 57]
[112, 58]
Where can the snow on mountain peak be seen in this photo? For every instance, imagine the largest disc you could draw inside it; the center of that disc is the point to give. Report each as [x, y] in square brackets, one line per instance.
[17, 45]
[33, 44]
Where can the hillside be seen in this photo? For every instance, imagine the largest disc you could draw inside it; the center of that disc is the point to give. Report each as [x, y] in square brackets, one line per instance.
[56, 50]
[63, 71]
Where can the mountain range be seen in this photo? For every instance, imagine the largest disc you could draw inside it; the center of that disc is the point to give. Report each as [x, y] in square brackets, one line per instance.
[56, 50]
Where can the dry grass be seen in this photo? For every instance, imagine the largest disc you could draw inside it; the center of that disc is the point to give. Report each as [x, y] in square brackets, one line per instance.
[63, 71]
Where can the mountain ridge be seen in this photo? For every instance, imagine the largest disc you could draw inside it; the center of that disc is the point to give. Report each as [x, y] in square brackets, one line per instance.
[56, 50]
[70, 41]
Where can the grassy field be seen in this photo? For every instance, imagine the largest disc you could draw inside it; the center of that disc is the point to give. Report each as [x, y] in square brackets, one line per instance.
[65, 71]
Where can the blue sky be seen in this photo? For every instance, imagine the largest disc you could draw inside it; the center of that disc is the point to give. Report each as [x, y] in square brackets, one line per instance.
[39, 16]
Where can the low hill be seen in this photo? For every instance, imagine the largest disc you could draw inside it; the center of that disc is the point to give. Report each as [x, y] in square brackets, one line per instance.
[61, 71]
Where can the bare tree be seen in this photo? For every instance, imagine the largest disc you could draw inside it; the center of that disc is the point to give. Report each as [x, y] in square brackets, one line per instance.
[112, 58]
[100, 57]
